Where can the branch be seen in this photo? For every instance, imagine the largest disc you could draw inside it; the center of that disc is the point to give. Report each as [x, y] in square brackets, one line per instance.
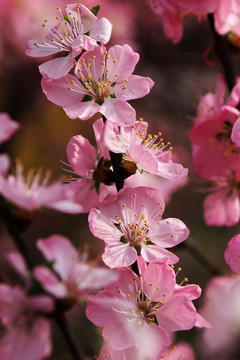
[224, 55]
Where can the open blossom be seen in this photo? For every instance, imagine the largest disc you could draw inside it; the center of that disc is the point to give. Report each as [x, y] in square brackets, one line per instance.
[222, 310]
[76, 31]
[142, 151]
[232, 253]
[181, 351]
[144, 311]
[72, 277]
[131, 224]
[27, 331]
[103, 83]
[33, 192]
[90, 177]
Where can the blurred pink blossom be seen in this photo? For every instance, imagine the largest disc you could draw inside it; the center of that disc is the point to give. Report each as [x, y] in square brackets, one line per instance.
[232, 253]
[28, 332]
[33, 191]
[72, 277]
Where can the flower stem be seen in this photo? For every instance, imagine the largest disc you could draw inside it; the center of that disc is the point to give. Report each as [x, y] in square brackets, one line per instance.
[63, 326]
[224, 55]
[119, 181]
[15, 229]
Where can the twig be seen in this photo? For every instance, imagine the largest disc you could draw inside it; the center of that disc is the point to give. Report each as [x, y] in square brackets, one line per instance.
[224, 55]
[190, 245]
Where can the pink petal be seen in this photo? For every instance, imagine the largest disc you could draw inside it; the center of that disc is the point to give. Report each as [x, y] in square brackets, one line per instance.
[170, 232]
[117, 254]
[54, 248]
[41, 51]
[4, 163]
[177, 314]
[50, 282]
[118, 112]
[158, 280]
[153, 253]
[232, 254]
[81, 155]
[57, 68]
[18, 263]
[82, 110]
[101, 31]
[27, 344]
[220, 208]
[57, 91]
[235, 137]
[7, 127]
[126, 60]
[136, 87]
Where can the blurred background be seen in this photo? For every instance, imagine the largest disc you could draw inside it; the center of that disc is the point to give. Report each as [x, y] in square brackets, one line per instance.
[181, 76]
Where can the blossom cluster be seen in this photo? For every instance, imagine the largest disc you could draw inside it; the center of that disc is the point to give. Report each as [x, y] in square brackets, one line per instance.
[134, 295]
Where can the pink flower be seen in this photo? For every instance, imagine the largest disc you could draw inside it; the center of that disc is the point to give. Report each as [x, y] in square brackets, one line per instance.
[76, 31]
[142, 151]
[142, 312]
[131, 223]
[171, 13]
[222, 310]
[215, 133]
[222, 207]
[181, 351]
[33, 192]
[232, 254]
[28, 333]
[105, 85]
[72, 277]
[90, 176]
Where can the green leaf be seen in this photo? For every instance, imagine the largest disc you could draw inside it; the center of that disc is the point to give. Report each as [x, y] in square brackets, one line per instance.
[95, 9]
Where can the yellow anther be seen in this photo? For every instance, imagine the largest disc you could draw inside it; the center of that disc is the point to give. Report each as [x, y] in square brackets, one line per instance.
[129, 295]
[172, 235]
[158, 288]
[72, 81]
[156, 310]
[185, 279]
[83, 22]
[116, 74]
[124, 205]
[150, 284]
[82, 60]
[130, 207]
[107, 57]
[88, 65]
[126, 80]
[69, 88]
[93, 57]
[179, 269]
[164, 294]
[107, 70]
[114, 60]
[148, 299]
